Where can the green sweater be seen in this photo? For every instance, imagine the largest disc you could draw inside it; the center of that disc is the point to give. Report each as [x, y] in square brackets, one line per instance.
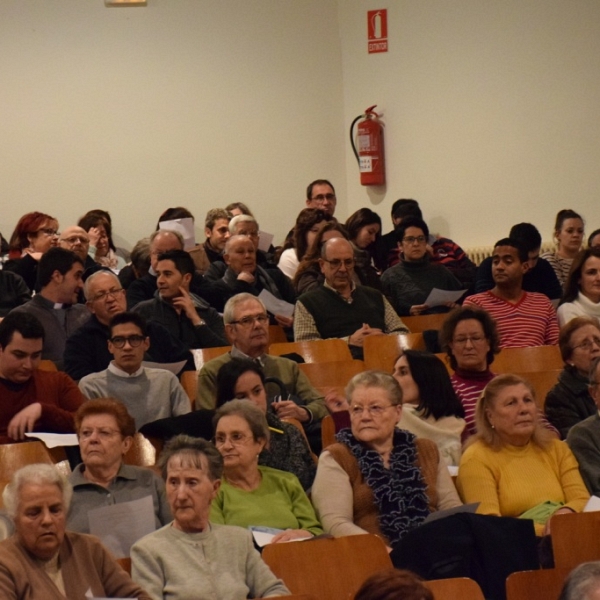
[279, 502]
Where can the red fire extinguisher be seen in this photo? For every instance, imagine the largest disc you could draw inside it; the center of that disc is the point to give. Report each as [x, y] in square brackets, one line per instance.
[370, 154]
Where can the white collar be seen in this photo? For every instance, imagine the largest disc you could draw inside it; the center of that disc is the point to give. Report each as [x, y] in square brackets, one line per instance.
[120, 373]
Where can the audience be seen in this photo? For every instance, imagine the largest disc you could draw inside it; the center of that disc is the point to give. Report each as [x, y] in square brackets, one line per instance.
[583, 583]
[148, 394]
[320, 194]
[364, 229]
[101, 248]
[13, 292]
[139, 265]
[77, 240]
[594, 239]
[216, 229]
[397, 584]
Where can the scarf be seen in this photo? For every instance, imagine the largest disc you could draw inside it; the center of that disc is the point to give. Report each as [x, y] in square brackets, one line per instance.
[400, 490]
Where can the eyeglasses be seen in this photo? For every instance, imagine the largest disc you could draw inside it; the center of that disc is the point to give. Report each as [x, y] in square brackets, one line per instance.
[474, 339]
[336, 263]
[48, 231]
[76, 238]
[103, 434]
[114, 292]
[120, 340]
[411, 239]
[323, 197]
[250, 320]
[236, 438]
[374, 410]
[589, 343]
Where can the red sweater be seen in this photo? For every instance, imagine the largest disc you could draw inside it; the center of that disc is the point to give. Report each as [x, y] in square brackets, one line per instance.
[56, 392]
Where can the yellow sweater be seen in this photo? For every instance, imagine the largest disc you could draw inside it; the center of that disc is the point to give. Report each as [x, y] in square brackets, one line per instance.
[514, 479]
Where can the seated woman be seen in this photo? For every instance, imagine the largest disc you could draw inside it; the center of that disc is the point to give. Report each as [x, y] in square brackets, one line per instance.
[364, 229]
[253, 495]
[430, 407]
[308, 275]
[308, 224]
[43, 562]
[105, 430]
[594, 239]
[513, 464]
[582, 290]
[192, 557]
[287, 450]
[34, 235]
[102, 249]
[569, 401]
[409, 283]
[568, 235]
[379, 479]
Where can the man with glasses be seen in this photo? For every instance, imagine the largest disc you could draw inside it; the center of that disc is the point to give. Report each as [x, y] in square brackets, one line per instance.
[87, 349]
[247, 326]
[77, 240]
[341, 309]
[320, 194]
[149, 394]
[584, 438]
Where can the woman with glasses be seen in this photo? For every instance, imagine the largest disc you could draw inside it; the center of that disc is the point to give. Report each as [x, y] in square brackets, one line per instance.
[252, 495]
[105, 432]
[582, 291]
[377, 478]
[409, 283]
[33, 236]
[569, 401]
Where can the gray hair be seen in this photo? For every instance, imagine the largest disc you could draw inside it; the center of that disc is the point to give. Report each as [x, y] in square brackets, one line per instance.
[233, 302]
[190, 451]
[39, 473]
[158, 232]
[241, 219]
[593, 369]
[88, 282]
[327, 243]
[582, 580]
[376, 379]
[256, 418]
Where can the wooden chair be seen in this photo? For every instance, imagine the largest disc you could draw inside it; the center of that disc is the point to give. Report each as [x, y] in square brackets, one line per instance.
[542, 382]
[125, 564]
[421, 323]
[330, 568]
[575, 539]
[382, 350]
[189, 382]
[526, 360]
[456, 588]
[15, 456]
[277, 335]
[203, 355]
[327, 431]
[47, 365]
[544, 584]
[330, 350]
[337, 374]
[143, 452]
[299, 427]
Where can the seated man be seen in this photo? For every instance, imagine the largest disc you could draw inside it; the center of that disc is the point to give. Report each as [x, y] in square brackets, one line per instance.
[540, 276]
[584, 438]
[59, 277]
[216, 228]
[77, 240]
[186, 316]
[86, 350]
[148, 394]
[339, 308]
[244, 275]
[30, 399]
[13, 291]
[247, 325]
[523, 318]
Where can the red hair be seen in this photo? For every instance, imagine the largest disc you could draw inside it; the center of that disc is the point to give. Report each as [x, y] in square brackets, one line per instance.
[29, 223]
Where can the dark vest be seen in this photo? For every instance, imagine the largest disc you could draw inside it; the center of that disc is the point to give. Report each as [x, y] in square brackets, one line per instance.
[335, 318]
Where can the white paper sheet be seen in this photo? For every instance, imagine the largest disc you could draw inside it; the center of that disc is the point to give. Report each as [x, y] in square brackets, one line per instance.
[265, 240]
[54, 440]
[592, 505]
[172, 367]
[129, 521]
[276, 306]
[438, 297]
[185, 227]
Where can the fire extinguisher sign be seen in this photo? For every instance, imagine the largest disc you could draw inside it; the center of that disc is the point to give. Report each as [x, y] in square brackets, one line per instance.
[377, 30]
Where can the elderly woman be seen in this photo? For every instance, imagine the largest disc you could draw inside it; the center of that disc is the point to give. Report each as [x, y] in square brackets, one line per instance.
[43, 562]
[287, 450]
[105, 431]
[514, 467]
[192, 557]
[582, 291]
[250, 494]
[379, 479]
[430, 407]
[569, 401]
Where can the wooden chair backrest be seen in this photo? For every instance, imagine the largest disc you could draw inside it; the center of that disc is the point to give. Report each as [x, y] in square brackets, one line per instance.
[15, 456]
[143, 452]
[203, 355]
[421, 323]
[456, 588]
[332, 568]
[47, 365]
[575, 539]
[526, 360]
[189, 382]
[327, 431]
[277, 335]
[125, 564]
[542, 382]
[332, 374]
[544, 584]
[381, 351]
[329, 350]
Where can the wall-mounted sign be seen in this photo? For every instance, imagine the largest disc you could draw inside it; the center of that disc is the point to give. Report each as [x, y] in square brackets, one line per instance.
[377, 30]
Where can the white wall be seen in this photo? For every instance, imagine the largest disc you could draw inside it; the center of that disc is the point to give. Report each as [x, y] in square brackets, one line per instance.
[183, 102]
[491, 110]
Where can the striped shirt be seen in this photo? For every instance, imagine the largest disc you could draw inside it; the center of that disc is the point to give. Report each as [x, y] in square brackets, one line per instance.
[529, 322]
